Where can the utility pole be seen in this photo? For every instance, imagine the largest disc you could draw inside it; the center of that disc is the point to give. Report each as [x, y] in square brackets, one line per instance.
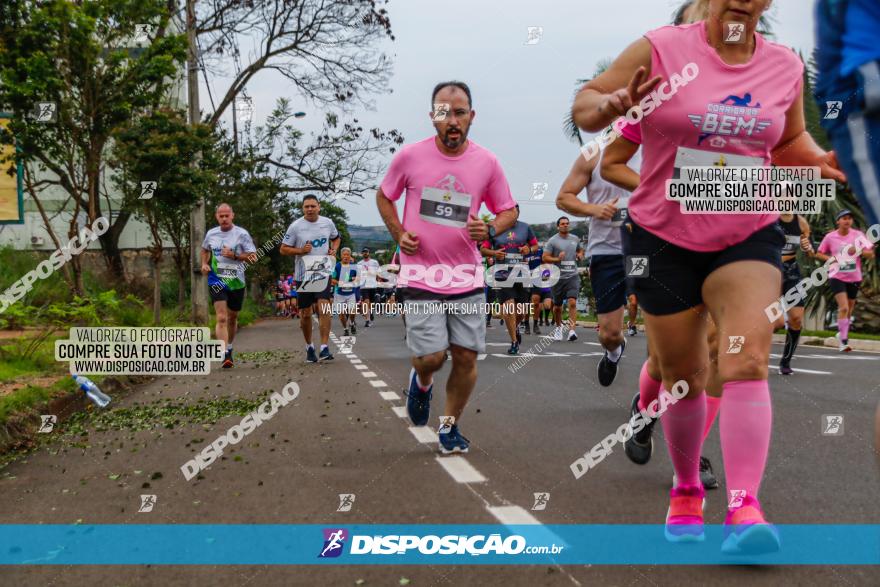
[199, 289]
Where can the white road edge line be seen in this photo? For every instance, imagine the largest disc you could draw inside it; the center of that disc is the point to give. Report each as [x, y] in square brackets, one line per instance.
[460, 470]
[424, 434]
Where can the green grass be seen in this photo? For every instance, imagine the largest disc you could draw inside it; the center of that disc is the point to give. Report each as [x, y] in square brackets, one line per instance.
[14, 363]
[31, 397]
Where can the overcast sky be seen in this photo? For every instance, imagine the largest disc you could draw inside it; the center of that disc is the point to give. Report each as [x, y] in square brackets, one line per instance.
[521, 92]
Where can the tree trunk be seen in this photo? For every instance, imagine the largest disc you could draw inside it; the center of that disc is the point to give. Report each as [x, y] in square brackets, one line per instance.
[157, 289]
[110, 247]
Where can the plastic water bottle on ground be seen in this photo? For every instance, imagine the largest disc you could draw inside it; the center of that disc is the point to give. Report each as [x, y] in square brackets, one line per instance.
[91, 390]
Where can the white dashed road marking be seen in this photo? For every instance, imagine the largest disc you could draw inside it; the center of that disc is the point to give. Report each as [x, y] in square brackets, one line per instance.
[460, 470]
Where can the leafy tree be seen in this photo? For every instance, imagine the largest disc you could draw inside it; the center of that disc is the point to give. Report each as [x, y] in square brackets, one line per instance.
[79, 56]
[161, 147]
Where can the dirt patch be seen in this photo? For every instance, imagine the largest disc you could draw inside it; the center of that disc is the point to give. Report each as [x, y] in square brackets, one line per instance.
[11, 386]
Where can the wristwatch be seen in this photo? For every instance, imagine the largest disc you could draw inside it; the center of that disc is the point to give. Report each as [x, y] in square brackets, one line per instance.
[491, 231]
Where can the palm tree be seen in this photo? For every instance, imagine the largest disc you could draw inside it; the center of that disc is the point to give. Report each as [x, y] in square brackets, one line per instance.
[570, 129]
[868, 309]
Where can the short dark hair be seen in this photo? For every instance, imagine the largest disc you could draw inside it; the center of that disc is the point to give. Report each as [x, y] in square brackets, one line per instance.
[310, 197]
[460, 85]
[561, 218]
[678, 19]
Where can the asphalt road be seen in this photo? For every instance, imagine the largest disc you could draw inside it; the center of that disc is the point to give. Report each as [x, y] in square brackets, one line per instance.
[340, 436]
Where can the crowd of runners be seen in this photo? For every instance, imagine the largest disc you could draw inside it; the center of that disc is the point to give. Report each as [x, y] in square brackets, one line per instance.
[698, 278]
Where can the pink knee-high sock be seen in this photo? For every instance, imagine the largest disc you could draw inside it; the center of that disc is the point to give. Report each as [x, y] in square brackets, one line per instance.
[745, 424]
[843, 328]
[648, 388]
[683, 427]
[712, 405]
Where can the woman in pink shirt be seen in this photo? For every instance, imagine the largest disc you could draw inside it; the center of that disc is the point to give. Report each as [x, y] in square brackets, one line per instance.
[709, 102]
[848, 246]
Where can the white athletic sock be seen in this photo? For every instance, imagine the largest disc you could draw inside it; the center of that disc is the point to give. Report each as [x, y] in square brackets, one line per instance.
[310, 346]
[323, 346]
[615, 354]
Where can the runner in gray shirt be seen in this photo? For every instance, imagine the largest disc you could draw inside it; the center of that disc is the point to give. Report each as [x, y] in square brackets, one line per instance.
[565, 250]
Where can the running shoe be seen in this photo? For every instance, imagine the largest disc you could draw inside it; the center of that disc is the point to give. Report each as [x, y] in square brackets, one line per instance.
[528, 329]
[746, 531]
[844, 347]
[785, 369]
[227, 360]
[453, 441]
[488, 324]
[366, 323]
[345, 332]
[607, 369]
[572, 336]
[707, 475]
[557, 333]
[418, 402]
[354, 328]
[632, 330]
[639, 446]
[311, 356]
[537, 330]
[684, 518]
[514, 348]
[325, 355]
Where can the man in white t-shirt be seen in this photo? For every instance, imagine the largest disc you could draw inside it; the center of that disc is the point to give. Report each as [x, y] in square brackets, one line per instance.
[225, 250]
[313, 240]
[367, 270]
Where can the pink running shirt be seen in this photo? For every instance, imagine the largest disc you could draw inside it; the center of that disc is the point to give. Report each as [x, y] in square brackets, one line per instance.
[441, 192]
[847, 269]
[727, 115]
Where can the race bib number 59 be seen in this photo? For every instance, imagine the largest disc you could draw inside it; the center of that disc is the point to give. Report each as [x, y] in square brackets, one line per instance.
[445, 207]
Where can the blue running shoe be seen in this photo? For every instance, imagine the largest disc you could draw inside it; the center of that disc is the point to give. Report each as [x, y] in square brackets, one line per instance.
[418, 402]
[325, 354]
[311, 356]
[453, 441]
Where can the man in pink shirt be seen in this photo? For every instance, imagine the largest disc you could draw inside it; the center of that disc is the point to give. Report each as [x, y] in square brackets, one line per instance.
[848, 246]
[447, 178]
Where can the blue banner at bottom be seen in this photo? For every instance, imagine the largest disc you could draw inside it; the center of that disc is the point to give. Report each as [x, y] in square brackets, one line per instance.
[409, 544]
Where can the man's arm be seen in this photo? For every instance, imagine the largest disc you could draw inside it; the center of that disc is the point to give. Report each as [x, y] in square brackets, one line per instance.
[547, 257]
[505, 220]
[206, 260]
[614, 168]
[289, 251]
[388, 211]
[578, 178]
[334, 246]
